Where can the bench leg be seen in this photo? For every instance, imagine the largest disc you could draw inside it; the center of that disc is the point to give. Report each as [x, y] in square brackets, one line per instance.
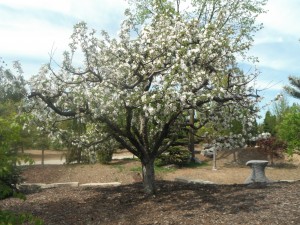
[257, 174]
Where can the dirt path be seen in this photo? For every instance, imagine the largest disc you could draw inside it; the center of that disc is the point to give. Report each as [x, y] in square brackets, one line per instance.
[128, 171]
[58, 157]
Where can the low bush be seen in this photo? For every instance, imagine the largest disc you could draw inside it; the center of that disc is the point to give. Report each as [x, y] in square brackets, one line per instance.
[181, 141]
[9, 172]
[175, 155]
[104, 156]
[12, 218]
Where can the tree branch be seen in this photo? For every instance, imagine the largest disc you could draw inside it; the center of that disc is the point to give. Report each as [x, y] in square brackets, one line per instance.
[51, 105]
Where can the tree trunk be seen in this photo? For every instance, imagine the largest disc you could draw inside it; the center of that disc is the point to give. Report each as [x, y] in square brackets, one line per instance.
[78, 155]
[191, 136]
[148, 177]
[43, 156]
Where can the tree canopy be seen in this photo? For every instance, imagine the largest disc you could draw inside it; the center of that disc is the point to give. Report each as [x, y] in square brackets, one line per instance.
[135, 88]
[289, 128]
[269, 124]
[12, 90]
[12, 85]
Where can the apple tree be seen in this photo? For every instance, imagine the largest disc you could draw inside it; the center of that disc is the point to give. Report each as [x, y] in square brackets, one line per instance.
[136, 88]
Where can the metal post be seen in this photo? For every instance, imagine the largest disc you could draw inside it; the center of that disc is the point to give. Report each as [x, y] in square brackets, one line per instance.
[43, 156]
[215, 159]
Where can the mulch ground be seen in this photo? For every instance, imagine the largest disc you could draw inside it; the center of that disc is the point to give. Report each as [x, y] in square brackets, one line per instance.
[174, 203]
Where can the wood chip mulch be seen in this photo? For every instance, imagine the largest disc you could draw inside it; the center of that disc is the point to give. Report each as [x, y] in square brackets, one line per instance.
[174, 203]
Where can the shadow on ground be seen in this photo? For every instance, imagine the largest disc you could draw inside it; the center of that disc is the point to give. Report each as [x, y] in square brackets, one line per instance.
[174, 202]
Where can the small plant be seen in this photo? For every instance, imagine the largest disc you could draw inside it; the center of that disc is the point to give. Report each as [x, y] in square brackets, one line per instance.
[9, 172]
[181, 142]
[195, 164]
[120, 168]
[272, 146]
[9, 179]
[162, 169]
[175, 155]
[105, 156]
[11, 218]
[105, 151]
[136, 169]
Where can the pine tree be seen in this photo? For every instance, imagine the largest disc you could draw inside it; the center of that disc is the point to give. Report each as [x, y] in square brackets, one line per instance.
[294, 89]
[269, 123]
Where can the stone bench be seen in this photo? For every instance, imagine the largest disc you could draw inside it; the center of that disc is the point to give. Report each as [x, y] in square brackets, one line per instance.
[258, 172]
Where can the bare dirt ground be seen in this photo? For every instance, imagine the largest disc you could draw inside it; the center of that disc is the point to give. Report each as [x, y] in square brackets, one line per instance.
[228, 201]
[124, 169]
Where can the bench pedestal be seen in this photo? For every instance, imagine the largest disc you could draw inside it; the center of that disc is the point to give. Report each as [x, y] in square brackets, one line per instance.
[258, 172]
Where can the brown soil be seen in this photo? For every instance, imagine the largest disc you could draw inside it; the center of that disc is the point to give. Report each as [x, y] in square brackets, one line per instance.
[125, 170]
[175, 203]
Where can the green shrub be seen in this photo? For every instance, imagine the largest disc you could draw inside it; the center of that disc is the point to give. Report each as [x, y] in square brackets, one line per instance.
[175, 155]
[181, 141]
[289, 129]
[104, 156]
[9, 178]
[7, 218]
[9, 172]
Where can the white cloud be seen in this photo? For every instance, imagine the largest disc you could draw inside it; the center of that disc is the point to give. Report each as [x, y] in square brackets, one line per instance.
[33, 38]
[262, 39]
[104, 12]
[277, 45]
[52, 5]
[281, 55]
[282, 16]
[29, 29]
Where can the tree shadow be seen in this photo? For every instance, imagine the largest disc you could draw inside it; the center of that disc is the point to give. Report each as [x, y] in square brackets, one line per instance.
[128, 203]
[123, 161]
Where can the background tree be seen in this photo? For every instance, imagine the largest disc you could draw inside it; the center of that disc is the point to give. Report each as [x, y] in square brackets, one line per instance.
[12, 90]
[9, 131]
[294, 88]
[269, 124]
[136, 89]
[12, 94]
[289, 129]
[280, 107]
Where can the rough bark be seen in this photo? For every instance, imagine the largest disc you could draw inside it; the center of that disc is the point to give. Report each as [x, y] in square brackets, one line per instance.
[148, 177]
[191, 136]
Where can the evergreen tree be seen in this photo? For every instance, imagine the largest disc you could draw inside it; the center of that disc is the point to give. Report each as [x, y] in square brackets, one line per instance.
[294, 89]
[269, 123]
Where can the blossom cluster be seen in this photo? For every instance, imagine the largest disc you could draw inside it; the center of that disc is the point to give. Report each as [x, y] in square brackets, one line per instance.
[139, 85]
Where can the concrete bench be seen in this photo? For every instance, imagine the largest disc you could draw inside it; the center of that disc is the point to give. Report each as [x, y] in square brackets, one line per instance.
[258, 172]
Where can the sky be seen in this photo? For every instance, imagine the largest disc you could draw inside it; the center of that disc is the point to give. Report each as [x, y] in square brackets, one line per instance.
[31, 29]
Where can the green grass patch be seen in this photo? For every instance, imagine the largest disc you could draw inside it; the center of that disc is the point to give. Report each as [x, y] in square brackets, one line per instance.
[8, 217]
[162, 169]
[136, 169]
[195, 165]
[120, 168]
[158, 169]
[131, 159]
